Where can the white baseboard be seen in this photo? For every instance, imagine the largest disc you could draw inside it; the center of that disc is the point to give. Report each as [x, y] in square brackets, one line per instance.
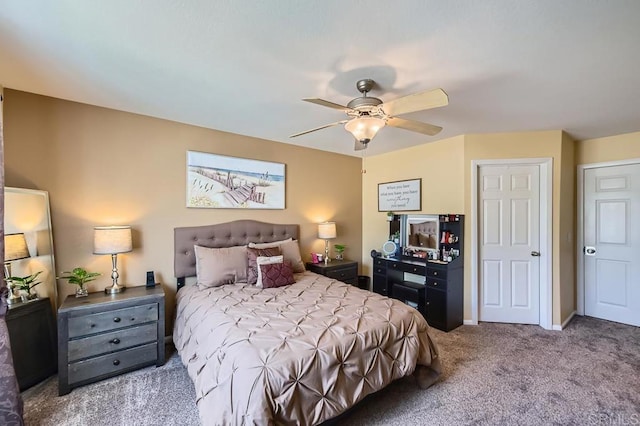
[469, 322]
[562, 326]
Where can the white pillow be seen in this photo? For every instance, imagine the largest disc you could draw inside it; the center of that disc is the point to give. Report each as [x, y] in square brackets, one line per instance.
[264, 260]
[290, 250]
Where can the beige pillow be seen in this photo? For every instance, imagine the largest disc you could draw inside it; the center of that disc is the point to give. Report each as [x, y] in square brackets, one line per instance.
[290, 250]
[266, 260]
[218, 266]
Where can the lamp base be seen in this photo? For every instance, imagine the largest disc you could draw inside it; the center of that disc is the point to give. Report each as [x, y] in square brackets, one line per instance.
[116, 288]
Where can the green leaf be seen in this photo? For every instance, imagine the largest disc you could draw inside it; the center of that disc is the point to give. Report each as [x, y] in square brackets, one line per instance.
[79, 276]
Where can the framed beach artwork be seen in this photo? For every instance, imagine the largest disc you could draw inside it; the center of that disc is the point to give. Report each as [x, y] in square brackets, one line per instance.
[220, 182]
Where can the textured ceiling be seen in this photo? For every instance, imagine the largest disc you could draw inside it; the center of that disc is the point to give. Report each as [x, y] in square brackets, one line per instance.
[243, 66]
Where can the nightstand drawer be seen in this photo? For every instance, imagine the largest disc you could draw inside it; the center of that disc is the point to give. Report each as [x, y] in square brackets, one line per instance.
[113, 341]
[112, 363]
[112, 320]
[343, 274]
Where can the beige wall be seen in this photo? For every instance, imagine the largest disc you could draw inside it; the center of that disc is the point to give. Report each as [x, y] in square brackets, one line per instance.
[439, 164]
[105, 167]
[611, 148]
[568, 211]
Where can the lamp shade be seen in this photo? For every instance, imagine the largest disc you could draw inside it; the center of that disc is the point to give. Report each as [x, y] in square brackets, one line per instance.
[327, 230]
[112, 239]
[364, 128]
[15, 247]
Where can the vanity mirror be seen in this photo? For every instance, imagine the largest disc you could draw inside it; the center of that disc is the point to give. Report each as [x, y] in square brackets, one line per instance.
[420, 234]
[29, 244]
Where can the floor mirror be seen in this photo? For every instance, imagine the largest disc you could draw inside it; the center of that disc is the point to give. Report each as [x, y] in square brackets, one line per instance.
[29, 241]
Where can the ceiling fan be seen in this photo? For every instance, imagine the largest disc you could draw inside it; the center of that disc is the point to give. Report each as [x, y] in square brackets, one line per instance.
[367, 114]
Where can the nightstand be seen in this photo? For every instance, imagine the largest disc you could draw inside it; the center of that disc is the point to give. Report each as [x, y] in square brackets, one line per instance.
[343, 270]
[104, 335]
[32, 333]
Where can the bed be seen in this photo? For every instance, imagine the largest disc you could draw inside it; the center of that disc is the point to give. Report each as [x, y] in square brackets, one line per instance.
[298, 354]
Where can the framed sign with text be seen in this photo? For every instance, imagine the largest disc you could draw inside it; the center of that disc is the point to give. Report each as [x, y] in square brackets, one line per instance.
[400, 196]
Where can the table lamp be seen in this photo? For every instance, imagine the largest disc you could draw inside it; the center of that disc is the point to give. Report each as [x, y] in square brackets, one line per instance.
[326, 231]
[112, 240]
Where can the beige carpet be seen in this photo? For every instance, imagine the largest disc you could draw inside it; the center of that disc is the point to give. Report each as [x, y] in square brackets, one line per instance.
[493, 374]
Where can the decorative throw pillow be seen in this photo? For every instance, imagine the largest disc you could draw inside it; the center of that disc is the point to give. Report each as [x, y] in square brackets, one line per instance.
[290, 250]
[218, 266]
[252, 265]
[264, 260]
[276, 275]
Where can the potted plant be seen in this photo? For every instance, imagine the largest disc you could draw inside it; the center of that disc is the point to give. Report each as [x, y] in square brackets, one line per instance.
[390, 216]
[79, 277]
[25, 285]
[339, 250]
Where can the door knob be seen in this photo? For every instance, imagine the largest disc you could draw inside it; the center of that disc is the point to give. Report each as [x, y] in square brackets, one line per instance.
[590, 251]
[535, 253]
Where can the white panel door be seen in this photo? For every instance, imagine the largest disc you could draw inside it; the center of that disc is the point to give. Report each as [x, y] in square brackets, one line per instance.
[509, 230]
[612, 243]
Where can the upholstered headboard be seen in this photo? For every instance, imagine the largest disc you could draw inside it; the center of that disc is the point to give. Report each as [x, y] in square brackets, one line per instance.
[237, 233]
[423, 228]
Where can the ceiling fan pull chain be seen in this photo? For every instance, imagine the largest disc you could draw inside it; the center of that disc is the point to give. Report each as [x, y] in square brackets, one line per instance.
[364, 161]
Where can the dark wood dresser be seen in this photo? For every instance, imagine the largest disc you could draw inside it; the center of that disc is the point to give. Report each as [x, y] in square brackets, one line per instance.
[104, 335]
[433, 287]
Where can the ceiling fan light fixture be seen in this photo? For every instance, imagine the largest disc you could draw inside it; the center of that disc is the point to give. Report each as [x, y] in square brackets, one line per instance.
[364, 128]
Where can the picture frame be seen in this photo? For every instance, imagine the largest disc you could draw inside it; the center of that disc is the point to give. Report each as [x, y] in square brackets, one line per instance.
[217, 181]
[400, 196]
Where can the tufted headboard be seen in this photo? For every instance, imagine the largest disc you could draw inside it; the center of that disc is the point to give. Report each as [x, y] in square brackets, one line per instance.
[237, 233]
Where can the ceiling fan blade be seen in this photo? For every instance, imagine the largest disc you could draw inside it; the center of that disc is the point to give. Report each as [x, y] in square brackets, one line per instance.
[333, 105]
[416, 102]
[318, 128]
[359, 146]
[414, 126]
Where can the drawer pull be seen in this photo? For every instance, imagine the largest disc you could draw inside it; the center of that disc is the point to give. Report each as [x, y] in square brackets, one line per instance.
[435, 272]
[116, 319]
[116, 362]
[435, 284]
[428, 303]
[114, 341]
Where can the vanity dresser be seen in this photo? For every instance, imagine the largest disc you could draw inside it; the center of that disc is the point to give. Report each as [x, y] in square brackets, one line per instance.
[434, 287]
